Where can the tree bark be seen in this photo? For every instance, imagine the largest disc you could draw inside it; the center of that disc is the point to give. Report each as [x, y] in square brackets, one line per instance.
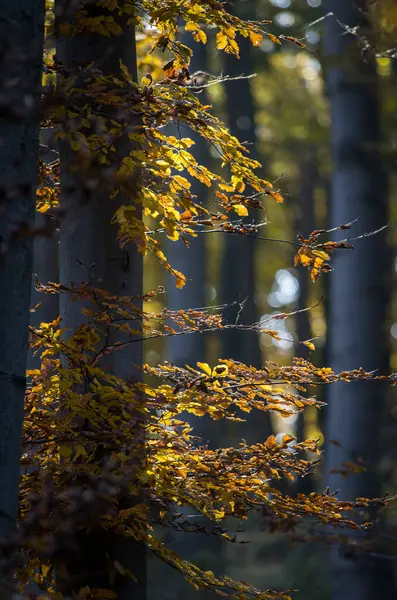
[359, 288]
[238, 272]
[239, 253]
[21, 48]
[190, 261]
[89, 252]
[203, 550]
[305, 224]
[45, 265]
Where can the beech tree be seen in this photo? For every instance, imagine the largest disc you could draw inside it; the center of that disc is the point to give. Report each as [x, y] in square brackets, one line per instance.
[89, 250]
[110, 456]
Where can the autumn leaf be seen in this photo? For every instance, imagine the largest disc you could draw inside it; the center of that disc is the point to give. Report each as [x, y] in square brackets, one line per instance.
[220, 371]
[240, 209]
[255, 38]
[205, 367]
[273, 38]
[309, 345]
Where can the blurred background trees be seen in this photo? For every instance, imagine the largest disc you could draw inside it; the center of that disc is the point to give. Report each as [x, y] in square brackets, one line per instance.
[322, 121]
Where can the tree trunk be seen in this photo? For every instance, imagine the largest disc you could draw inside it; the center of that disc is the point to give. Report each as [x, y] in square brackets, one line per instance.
[359, 287]
[190, 261]
[90, 253]
[183, 350]
[305, 224]
[239, 252]
[45, 266]
[238, 265]
[21, 34]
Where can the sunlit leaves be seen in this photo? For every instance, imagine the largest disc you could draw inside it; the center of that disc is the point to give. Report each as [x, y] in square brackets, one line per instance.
[162, 162]
[240, 209]
[205, 367]
[309, 345]
[74, 406]
[198, 34]
[316, 255]
[47, 195]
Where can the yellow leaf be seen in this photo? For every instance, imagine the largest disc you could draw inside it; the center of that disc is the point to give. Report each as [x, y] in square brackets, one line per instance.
[273, 38]
[318, 263]
[267, 184]
[173, 235]
[146, 80]
[276, 196]
[205, 367]
[238, 184]
[161, 256]
[221, 40]
[309, 345]
[305, 260]
[218, 515]
[186, 143]
[241, 210]
[255, 38]
[271, 441]
[180, 279]
[220, 371]
[303, 257]
[32, 372]
[182, 181]
[200, 36]
[321, 254]
[45, 569]
[226, 187]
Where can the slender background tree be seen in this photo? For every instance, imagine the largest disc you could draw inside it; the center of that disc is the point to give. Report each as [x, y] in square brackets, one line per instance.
[44, 307]
[239, 253]
[183, 350]
[359, 287]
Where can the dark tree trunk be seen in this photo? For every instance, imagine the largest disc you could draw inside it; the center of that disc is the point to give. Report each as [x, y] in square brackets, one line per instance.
[90, 253]
[190, 261]
[202, 550]
[359, 287]
[45, 263]
[21, 47]
[239, 254]
[238, 272]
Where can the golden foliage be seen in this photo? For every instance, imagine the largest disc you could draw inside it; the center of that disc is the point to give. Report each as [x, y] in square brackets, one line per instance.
[75, 409]
[315, 255]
